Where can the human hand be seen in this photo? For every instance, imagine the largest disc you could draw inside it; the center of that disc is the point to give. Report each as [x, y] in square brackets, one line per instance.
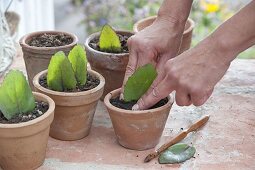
[155, 44]
[193, 75]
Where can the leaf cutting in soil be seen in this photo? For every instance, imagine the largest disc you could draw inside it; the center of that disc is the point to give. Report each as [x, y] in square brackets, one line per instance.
[176, 154]
[77, 57]
[16, 96]
[139, 82]
[60, 75]
[68, 73]
[109, 40]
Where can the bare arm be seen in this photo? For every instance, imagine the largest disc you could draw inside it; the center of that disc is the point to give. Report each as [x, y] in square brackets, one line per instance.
[236, 34]
[194, 73]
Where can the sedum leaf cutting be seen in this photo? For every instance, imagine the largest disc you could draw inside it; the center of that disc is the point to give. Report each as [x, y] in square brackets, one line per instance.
[60, 75]
[77, 57]
[177, 153]
[139, 82]
[16, 96]
[109, 40]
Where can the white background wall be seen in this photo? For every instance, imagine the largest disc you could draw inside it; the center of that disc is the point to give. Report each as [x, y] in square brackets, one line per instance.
[35, 15]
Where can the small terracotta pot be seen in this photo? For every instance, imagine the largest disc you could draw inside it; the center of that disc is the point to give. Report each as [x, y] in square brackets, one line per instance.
[111, 66]
[23, 145]
[187, 34]
[37, 59]
[74, 111]
[138, 130]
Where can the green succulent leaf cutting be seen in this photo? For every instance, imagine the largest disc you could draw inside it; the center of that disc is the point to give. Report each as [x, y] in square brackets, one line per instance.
[109, 40]
[60, 75]
[177, 153]
[139, 82]
[77, 57]
[16, 96]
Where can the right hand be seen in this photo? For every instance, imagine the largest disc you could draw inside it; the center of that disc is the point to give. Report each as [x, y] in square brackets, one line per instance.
[155, 44]
[193, 75]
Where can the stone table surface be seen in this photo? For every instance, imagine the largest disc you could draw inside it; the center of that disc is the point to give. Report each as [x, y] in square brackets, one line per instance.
[226, 142]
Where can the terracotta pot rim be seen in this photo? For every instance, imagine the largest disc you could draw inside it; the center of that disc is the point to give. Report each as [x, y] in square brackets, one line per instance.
[190, 21]
[131, 112]
[36, 120]
[32, 34]
[69, 94]
[92, 36]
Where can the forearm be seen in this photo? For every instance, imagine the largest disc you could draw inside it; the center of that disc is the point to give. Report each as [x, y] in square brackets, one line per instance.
[175, 11]
[236, 34]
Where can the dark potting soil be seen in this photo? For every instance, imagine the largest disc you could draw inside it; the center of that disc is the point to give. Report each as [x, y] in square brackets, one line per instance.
[128, 105]
[123, 40]
[91, 83]
[40, 108]
[50, 40]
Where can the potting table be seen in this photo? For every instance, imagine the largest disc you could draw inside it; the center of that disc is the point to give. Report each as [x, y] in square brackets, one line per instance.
[226, 142]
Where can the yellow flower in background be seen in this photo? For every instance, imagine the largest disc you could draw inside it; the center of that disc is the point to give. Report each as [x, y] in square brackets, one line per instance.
[210, 6]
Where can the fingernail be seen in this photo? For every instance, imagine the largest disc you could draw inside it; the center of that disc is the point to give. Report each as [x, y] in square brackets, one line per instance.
[121, 96]
[135, 107]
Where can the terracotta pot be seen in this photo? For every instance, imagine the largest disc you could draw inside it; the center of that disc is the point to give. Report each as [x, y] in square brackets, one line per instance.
[187, 34]
[74, 111]
[23, 145]
[138, 130]
[37, 59]
[111, 66]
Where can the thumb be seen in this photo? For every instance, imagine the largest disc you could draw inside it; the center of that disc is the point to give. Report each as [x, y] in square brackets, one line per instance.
[159, 92]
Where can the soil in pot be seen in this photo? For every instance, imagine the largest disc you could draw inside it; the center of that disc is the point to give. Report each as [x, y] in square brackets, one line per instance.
[91, 83]
[94, 43]
[50, 40]
[128, 105]
[39, 110]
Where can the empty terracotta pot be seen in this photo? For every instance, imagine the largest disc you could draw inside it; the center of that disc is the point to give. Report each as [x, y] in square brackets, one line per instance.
[23, 145]
[138, 130]
[187, 34]
[37, 59]
[74, 110]
[111, 66]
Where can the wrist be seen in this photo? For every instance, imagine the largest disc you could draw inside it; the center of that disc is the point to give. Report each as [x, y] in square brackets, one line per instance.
[216, 48]
[171, 24]
[175, 12]
[222, 45]
[171, 19]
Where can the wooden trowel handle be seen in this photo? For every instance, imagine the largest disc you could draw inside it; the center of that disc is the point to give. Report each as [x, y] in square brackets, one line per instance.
[182, 135]
[198, 124]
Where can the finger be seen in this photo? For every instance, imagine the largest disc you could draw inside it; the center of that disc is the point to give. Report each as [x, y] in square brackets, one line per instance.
[140, 61]
[158, 79]
[162, 61]
[130, 69]
[146, 57]
[159, 92]
[161, 73]
[209, 93]
[200, 99]
[182, 98]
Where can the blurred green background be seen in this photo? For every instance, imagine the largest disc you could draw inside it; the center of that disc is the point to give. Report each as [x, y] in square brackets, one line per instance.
[122, 14]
